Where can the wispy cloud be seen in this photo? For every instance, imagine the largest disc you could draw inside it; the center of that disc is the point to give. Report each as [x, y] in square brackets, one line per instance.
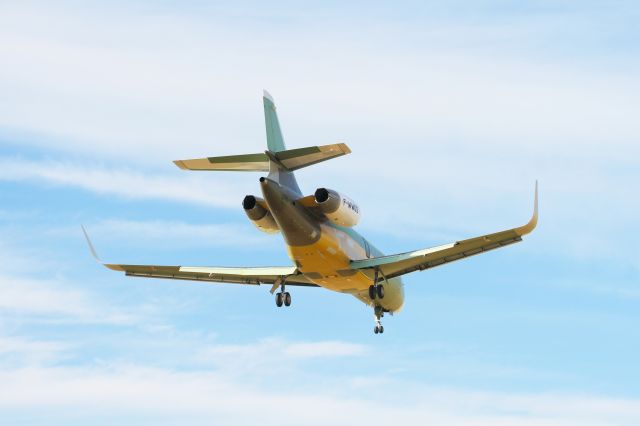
[121, 182]
[160, 233]
[264, 357]
[276, 348]
[49, 300]
[155, 98]
[123, 391]
[326, 349]
[28, 351]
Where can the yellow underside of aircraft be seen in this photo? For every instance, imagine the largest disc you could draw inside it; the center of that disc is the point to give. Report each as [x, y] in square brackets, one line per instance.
[318, 230]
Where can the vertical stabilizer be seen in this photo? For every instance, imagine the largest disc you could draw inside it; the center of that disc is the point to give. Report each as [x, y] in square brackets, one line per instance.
[277, 160]
[275, 142]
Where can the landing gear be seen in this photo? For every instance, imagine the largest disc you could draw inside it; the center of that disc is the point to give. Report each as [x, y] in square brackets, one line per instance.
[378, 313]
[283, 297]
[376, 289]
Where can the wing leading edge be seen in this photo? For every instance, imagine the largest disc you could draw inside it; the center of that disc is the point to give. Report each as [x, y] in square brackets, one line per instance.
[273, 275]
[419, 260]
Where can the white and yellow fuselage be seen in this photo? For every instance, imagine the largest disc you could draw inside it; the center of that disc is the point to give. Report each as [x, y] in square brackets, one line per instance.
[323, 251]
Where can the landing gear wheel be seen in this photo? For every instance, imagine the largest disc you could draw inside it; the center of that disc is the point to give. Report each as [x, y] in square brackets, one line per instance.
[380, 291]
[380, 329]
[287, 299]
[372, 292]
[376, 329]
[278, 299]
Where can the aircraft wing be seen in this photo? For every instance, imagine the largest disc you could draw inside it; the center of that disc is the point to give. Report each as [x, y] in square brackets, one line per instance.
[419, 260]
[273, 275]
[254, 276]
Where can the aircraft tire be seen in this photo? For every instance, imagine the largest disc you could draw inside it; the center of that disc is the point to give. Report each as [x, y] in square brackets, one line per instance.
[372, 292]
[380, 291]
[287, 299]
[376, 330]
[278, 299]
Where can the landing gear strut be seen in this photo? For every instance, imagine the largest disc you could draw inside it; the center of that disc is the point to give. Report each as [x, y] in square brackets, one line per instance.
[283, 297]
[378, 313]
[377, 291]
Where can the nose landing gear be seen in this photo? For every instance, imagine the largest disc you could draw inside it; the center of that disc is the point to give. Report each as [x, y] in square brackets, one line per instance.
[378, 314]
[376, 291]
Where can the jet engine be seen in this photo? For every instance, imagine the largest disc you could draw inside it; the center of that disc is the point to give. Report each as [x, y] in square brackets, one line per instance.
[337, 208]
[259, 215]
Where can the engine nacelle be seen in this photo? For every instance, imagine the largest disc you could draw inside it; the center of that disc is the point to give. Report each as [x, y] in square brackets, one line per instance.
[337, 208]
[259, 215]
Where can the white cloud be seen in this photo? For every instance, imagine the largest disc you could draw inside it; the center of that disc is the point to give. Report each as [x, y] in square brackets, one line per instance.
[123, 182]
[326, 349]
[28, 351]
[130, 391]
[46, 299]
[158, 233]
[142, 95]
[267, 356]
[275, 348]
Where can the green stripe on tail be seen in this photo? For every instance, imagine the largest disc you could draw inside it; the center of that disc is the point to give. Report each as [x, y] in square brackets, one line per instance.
[275, 142]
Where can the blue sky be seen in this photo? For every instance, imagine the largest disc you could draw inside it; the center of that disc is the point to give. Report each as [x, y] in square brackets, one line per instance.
[452, 112]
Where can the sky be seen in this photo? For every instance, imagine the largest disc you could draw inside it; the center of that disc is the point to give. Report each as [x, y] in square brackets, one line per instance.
[452, 111]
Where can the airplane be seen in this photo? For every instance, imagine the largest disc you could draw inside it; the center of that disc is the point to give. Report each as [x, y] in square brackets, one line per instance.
[325, 249]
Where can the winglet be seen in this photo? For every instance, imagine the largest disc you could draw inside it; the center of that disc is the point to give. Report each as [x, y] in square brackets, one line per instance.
[91, 248]
[530, 226]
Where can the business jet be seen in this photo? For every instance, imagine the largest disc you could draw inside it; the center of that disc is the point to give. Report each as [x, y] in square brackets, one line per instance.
[318, 231]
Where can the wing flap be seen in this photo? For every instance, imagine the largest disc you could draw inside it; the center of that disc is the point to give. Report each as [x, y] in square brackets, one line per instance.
[254, 276]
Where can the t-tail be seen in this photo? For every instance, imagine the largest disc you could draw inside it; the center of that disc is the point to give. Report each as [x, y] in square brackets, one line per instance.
[277, 160]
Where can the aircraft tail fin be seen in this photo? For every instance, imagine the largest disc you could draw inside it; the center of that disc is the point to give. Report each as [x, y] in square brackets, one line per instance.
[279, 161]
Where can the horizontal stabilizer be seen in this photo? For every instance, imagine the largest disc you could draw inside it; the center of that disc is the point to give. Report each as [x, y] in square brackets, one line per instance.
[292, 159]
[243, 163]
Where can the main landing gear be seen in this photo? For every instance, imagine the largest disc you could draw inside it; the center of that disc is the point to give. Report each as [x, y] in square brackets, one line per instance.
[376, 289]
[283, 297]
